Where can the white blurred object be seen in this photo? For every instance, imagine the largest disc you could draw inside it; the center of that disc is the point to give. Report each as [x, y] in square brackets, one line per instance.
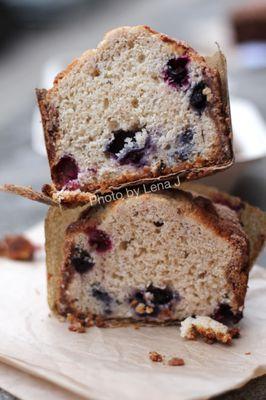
[252, 54]
[249, 130]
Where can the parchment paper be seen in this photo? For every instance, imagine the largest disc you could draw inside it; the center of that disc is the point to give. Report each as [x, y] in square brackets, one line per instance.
[113, 363]
[28, 387]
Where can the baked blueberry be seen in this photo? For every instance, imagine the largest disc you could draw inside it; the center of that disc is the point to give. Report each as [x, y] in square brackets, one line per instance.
[160, 296]
[186, 137]
[150, 302]
[104, 297]
[176, 71]
[223, 313]
[124, 147]
[119, 141]
[65, 170]
[101, 295]
[133, 157]
[185, 145]
[198, 100]
[99, 240]
[81, 260]
[159, 223]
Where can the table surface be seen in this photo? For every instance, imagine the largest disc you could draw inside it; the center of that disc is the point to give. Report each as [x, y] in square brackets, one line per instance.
[201, 23]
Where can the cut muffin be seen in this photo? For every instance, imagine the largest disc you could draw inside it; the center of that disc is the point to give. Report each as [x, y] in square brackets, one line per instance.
[153, 258]
[140, 106]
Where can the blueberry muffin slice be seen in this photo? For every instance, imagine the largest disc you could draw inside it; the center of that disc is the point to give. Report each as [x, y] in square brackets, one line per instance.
[141, 106]
[153, 258]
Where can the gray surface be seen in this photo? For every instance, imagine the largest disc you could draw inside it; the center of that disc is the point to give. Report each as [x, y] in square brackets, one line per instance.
[200, 22]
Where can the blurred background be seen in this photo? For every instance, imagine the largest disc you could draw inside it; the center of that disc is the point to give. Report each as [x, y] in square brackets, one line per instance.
[39, 37]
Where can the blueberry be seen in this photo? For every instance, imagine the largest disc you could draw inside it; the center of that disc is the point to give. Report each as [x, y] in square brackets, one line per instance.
[65, 170]
[99, 240]
[186, 137]
[104, 297]
[101, 295]
[198, 100]
[185, 145]
[158, 224]
[139, 296]
[160, 296]
[81, 260]
[223, 313]
[119, 141]
[150, 302]
[176, 72]
[134, 155]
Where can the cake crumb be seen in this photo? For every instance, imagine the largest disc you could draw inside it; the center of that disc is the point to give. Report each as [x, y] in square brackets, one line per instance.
[206, 327]
[17, 247]
[176, 362]
[75, 325]
[155, 357]
[235, 333]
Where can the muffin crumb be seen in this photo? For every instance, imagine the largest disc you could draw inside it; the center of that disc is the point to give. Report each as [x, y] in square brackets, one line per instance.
[176, 362]
[17, 247]
[155, 357]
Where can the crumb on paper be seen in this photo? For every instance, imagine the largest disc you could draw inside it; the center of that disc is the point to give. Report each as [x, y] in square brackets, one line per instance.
[206, 327]
[17, 247]
[248, 353]
[155, 357]
[176, 362]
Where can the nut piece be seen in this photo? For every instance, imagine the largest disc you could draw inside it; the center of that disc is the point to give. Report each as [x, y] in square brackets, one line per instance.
[176, 362]
[17, 247]
[155, 357]
[140, 309]
[143, 309]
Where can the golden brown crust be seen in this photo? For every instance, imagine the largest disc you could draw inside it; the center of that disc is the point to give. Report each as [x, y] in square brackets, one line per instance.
[215, 69]
[56, 222]
[50, 122]
[29, 193]
[74, 198]
[252, 219]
